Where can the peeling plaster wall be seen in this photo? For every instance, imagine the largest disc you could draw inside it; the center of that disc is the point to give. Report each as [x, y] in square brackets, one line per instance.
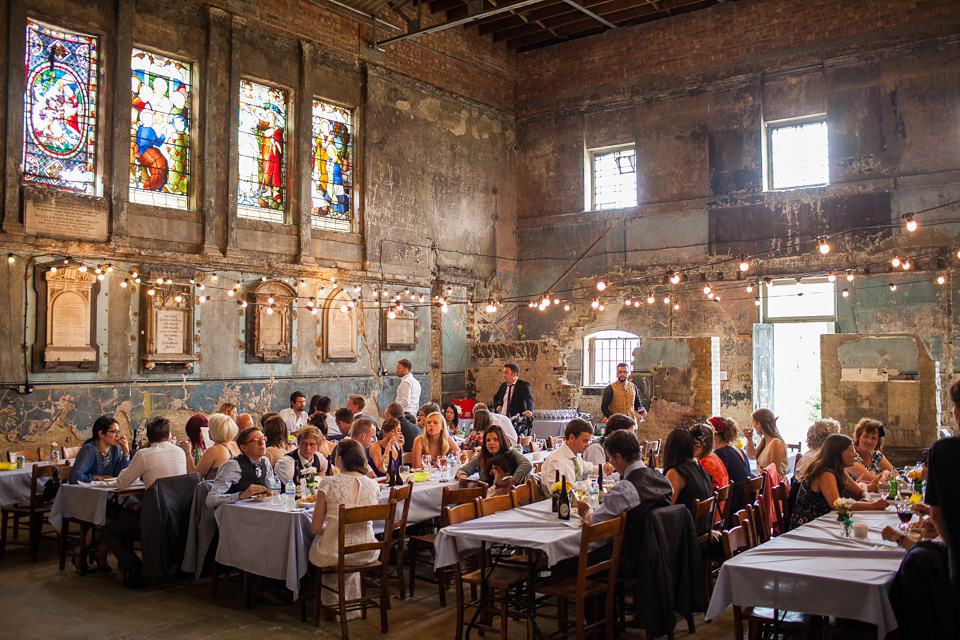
[541, 364]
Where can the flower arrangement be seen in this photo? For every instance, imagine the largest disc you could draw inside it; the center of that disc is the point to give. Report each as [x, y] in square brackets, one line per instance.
[556, 487]
[844, 514]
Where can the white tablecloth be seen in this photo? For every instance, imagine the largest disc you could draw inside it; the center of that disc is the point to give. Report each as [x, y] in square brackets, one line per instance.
[82, 502]
[545, 428]
[534, 526]
[15, 484]
[424, 501]
[814, 570]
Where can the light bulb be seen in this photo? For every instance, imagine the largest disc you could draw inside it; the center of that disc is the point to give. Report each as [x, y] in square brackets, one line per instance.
[214, 277]
[895, 262]
[850, 275]
[845, 293]
[941, 279]
[310, 302]
[270, 310]
[400, 307]
[706, 289]
[768, 282]
[601, 285]
[666, 299]
[674, 277]
[893, 287]
[134, 274]
[556, 301]
[595, 304]
[756, 301]
[125, 283]
[159, 280]
[82, 268]
[911, 223]
[53, 269]
[676, 306]
[636, 304]
[650, 298]
[169, 281]
[151, 291]
[906, 265]
[344, 308]
[100, 277]
[711, 295]
[444, 308]
[270, 300]
[744, 265]
[566, 307]
[232, 292]
[243, 303]
[824, 247]
[313, 311]
[602, 308]
[749, 287]
[831, 276]
[357, 288]
[178, 298]
[392, 314]
[627, 302]
[352, 304]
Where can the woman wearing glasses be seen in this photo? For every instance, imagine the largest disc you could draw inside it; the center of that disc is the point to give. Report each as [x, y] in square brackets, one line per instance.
[104, 455]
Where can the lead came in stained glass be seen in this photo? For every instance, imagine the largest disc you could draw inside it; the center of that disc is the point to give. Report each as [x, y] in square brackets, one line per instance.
[60, 109]
[263, 119]
[160, 130]
[332, 178]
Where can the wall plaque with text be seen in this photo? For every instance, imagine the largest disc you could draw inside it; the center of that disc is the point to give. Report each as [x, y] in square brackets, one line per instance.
[168, 327]
[270, 322]
[339, 328]
[53, 213]
[68, 313]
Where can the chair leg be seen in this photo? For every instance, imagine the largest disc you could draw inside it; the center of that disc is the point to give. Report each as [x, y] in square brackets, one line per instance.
[458, 589]
[384, 598]
[401, 579]
[562, 614]
[581, 620]
[342, 596]
[413, 565]
[317, 594]
[214, 579]
[442, 585]
[34, 535]
[3, 537]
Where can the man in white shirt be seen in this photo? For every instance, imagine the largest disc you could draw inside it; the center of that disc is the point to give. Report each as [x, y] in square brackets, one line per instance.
[408, 393]
[501, 421]
[162, 459]
[295, 416]
[290, 466]
[567, 459]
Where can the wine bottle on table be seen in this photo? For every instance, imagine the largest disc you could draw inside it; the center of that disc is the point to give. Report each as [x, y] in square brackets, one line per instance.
[556, 494]
[563, 506]
[600, 482]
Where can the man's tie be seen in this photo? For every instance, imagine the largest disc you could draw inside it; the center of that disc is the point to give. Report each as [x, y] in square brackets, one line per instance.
[506, 402]
[576, 469]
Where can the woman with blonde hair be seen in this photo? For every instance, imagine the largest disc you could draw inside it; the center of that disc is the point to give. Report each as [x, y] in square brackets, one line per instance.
[223, 430]
[228, 409]
[435, 441]
[868, 443]
[772, 449]
[816, 435]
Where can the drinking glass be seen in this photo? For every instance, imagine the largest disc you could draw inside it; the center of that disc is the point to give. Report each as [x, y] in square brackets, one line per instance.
[905, 513]
[404, 472]
[427, 459]
[884, 488]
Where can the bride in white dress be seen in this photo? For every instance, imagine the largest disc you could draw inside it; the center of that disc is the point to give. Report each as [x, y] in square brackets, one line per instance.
[351, 488]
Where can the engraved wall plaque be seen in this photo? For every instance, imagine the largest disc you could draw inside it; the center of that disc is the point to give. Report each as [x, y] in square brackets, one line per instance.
[54, 213]
[69, 310]
[168, 326]
[339, 328]
[400, 334]
[270, 323]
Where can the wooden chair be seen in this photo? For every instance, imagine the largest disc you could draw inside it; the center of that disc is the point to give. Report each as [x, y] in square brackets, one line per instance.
[407, 457]
[523, 495]
[794, 447]
[538, 466]
[401, 495]
[752, 488]
[580, 588]
[760, 524]
[724, 503]
[554, 441]
[381, 599]
[525, 442]
[782, 507]
[34, 511]
[744, 518]
[29, 455]
[69, 453]
[490, 506]
[449, 497]
[701, 509]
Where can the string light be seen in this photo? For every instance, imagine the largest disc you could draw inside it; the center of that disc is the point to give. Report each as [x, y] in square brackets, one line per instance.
[941, 279]
[490, 307]
[596, 303]
[82, 268]
[845, 293]
[344, 308]
[333, 279]
[602, 308]
[310, 301]
[270, 300]
[214, 277]
[125, 283]
[716, 299]
[906, 265]
[676, 306]
[895, 262]
[100, 277]
[650, 298]
[444, 308]
[159, 280]
[263, 278]
[178, 298]
[893, 287]
[270, 309]
[302, 283]
[200, 286]
[911, 222]
[756, 301]
[566, 307]
[391, 314]
[400, 307]
[357, 288]
[675, 277]
[750, 287]
[98, 270]
[134, 274]
[768, 282]
[711, 295]
[352, 303]
[706, 290]
[744, 265]
[831, 276]
[636, 304]
[232, 292]
[169, 281]
[824, 247]
[627, 302]
[151, 291]
[313, 311]
[601, 285]
[850, 275]
[666, 299]
[242, 303]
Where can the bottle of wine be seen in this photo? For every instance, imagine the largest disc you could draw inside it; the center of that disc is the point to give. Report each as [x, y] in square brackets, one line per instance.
[556, 494]
[392, 479]
[600, 483]
[563, 507]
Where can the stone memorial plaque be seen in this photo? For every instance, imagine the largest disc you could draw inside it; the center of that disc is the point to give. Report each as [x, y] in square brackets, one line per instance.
[48, 212]
[400, 334]
[71, 320]
[170, 328]
[340, 329]
[67, 313]
[270, 322]
[271, 328]
[168, 343]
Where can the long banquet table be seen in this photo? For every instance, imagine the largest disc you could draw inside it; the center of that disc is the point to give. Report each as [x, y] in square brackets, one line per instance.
[814, 570]
[15, 484]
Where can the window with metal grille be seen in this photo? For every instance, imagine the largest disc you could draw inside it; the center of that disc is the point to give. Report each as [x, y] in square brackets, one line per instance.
[797, 154]
[603, 351]
[614, 178]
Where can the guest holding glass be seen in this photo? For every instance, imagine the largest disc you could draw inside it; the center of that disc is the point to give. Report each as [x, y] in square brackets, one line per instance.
[435, 441]
[772, 449]
[104, 455]
[195, 445]
[494, 444]
[222, 431]
[389, 445]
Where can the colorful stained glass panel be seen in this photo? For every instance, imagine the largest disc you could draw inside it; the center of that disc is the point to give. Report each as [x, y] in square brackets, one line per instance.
[160, 130]
[332, 176]
[261, 146]
[60, 109]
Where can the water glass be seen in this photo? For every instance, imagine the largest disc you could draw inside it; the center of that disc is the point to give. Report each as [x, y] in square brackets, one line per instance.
[427, 459]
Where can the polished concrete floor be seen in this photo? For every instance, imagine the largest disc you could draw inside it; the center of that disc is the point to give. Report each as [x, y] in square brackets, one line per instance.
[37, 601]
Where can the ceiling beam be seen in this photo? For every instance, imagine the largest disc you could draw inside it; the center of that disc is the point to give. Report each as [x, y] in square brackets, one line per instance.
[586, 11]
[517, 4]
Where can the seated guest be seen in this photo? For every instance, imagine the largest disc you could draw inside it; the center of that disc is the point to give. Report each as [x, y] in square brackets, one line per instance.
[294, 416]
[244, 476]
[689, 480]
[867, 443]
[824, 481]
[104, 455]
[228, 409]
[503, 466]
[616, 422]
[494, 445]
[640, 490]
[319, 421]
[452, 415]
[278, 438]
[364, 431]
[435, 441]
[703, 453]
[390, 445]
[772, 449]
[161, 459]
[407, 427]
[222, 431]
[481, 422]
[356, 404]
[321, 404]
[244, 421]
[816, 435]
[566, 459]
[344, 419]
[305, 456]
[195, 445]
[726, 432]
[501, 421]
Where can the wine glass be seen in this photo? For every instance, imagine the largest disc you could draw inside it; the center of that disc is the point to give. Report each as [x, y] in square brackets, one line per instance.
[884, 488]
[904, 512]
[427, 459]
[404, 472]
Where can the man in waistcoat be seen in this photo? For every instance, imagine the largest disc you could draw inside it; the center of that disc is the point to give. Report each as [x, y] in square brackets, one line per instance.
[244, 476]
[621, 396]
[290, 466]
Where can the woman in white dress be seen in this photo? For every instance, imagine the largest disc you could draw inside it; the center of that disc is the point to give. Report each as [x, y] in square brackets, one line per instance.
[351, 488]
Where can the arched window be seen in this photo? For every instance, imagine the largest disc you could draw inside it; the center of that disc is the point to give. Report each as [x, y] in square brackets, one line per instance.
[602, 351]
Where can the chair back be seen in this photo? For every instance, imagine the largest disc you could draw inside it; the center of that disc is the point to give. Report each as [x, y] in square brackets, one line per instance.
[781, 507]
[523, 495]
[701, 509]
[453, 496]
[460, 513]
[794, 447]
[525, 440]
[57, 473]
[735, 540]
[752, 488]
[29, 455]
[760, 524]
[357, 515]
[489, 506]
[744, 518]
[538, 466]
[591, 533]
[402, 497]
[69, 453]
[554, 441]
[723, 495]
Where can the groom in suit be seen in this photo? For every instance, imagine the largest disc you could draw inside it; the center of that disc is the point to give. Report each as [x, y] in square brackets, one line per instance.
[514, 396]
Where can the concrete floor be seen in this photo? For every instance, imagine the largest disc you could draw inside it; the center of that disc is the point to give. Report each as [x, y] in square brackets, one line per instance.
[37, 601]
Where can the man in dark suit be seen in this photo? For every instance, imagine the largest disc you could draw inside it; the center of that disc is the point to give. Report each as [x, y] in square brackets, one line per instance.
[514, 396]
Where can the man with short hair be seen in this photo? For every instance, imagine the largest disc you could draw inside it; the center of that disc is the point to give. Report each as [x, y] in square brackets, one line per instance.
[162, 459]
[409, 429]
[621, 396]
[501, 421]
[356, 403]
[244, 421]
[408, 392]
[290, 466]
[344, 418]
[364, 431]
[294, 415]
[244, 476]
[567, 458]
[514, 395]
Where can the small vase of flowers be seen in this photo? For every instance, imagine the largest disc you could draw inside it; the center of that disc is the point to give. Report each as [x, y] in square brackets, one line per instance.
[844, 514]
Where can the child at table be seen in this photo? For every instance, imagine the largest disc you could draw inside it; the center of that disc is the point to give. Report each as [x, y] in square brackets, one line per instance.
[503, 466]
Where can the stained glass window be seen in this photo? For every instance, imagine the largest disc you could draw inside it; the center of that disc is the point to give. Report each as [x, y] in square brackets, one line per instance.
[332, 175]
[60, 109]
[160, 130]
[263, 119]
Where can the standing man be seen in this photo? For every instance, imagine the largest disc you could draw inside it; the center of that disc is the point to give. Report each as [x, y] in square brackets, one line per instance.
[621, 396]
[408, 393]
[514, 396]
[295, 416]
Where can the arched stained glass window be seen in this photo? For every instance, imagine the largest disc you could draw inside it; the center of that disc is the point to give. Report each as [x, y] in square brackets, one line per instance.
[332, 174]
[60, 109]
[160, 130]
[261, 147]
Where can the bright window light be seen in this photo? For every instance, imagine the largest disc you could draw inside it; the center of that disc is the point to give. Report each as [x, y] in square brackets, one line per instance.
[798, 155]
[615, 179]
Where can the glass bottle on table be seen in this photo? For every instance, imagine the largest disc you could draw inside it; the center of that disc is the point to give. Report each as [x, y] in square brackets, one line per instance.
[555, 506]
[563, 503]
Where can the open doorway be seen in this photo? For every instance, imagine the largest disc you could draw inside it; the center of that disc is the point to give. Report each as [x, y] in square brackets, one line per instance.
[787, 352]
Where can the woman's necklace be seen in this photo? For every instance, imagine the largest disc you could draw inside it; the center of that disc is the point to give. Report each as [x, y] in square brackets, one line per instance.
[103, 459]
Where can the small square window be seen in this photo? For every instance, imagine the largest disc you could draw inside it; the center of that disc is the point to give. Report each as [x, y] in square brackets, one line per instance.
[798, 155]
[614, 178]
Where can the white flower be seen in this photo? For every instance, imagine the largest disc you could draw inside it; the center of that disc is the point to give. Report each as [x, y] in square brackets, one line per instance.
[844, 503]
